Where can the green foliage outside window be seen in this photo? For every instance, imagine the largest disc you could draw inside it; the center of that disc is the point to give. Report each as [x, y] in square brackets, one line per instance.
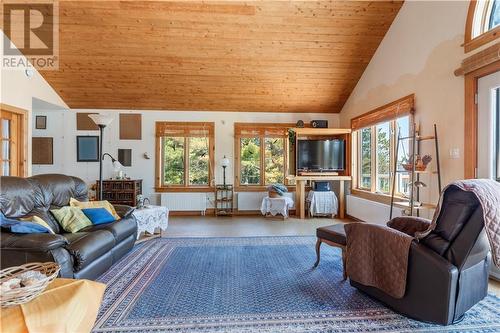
[274, 160]
[250, 161]
[366, 158]
[383, 157]
[198, 161]
[173, 163]
[174, 166]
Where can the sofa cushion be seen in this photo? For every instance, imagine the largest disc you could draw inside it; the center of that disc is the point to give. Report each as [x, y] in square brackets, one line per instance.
[120, 229]
[71, 219]
[95, 204]
[98, 215]
[85, 247]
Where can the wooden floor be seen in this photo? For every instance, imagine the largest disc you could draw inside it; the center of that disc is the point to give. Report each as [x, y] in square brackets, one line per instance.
[252, 226]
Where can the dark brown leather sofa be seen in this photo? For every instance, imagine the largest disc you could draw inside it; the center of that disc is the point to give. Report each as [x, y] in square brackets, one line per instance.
[448, 269]
[85, 254]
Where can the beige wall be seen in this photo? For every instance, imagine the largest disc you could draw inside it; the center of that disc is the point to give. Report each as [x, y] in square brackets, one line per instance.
[19, 90]
[418, 55]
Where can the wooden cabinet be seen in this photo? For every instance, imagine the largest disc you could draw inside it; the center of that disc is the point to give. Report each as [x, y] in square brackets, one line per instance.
[123, 192]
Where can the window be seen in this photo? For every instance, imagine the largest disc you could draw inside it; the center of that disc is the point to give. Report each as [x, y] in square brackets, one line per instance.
[483, 23]
[375, 134]
[185, 152]
[261, 154]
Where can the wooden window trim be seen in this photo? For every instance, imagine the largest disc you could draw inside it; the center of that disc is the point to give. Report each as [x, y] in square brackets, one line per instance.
[388, 113]
[182, 129]
[22, 148]
[259, 131]
[470, 122]
[470, 43]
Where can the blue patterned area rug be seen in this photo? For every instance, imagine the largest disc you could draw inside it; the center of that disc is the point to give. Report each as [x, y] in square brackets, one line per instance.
[246, 285]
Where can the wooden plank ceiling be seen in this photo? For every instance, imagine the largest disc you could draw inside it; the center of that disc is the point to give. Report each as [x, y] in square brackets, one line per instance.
[270, 56]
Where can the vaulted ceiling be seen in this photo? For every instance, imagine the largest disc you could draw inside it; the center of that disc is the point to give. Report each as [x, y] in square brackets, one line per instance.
[272, 56]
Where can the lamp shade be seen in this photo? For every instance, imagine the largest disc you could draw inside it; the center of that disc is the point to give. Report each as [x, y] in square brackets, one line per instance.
[101, 119]
[224, 162]
[117, 165]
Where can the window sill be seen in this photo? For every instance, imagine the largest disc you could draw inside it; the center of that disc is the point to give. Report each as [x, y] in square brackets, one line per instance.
[377, 197]
[185, 189]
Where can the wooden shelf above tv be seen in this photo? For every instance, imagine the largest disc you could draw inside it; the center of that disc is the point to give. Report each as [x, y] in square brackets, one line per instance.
[321, 131]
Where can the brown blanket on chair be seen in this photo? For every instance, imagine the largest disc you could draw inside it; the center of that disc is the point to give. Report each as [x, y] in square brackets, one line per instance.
[378, 256]
[487, 192]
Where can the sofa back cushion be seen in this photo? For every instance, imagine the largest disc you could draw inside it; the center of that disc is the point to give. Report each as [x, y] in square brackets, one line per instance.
[21, 197]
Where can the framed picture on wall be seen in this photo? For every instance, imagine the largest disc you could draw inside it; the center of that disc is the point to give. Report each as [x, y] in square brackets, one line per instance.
[87, 148]
[41, 122]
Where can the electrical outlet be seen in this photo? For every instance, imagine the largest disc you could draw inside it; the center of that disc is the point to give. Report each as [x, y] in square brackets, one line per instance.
[455, 153]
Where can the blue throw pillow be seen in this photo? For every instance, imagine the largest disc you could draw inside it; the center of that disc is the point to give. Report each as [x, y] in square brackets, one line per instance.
[21, 227]
[98, 215]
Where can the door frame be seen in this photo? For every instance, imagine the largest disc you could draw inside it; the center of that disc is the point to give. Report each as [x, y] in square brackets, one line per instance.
[471, 117]
[22, 148]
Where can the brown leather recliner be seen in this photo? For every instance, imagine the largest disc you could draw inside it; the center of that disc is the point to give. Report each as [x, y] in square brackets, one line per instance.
[84, 254]
[448, 269]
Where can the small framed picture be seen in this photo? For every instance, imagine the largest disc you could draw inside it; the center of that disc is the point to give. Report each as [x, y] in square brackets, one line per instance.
[87, 148]
[41, 122]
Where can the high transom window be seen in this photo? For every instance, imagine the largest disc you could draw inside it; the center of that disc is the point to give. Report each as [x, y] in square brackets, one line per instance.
[483, 23]
[186, 153]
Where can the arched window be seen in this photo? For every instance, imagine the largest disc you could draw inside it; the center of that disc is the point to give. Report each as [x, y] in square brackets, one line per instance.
[483, 23]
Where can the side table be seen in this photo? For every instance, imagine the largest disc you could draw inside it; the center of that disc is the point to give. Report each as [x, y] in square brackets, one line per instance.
[275, 206]
[151, 218]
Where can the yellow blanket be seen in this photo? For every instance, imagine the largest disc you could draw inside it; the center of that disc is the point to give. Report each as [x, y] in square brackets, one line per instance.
[65, 306]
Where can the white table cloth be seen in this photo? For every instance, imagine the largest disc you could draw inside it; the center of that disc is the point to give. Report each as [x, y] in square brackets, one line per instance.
[275, 206]
[322, 203]
[151, 217]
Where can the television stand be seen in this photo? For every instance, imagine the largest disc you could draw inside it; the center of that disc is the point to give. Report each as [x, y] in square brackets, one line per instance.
[300, 194]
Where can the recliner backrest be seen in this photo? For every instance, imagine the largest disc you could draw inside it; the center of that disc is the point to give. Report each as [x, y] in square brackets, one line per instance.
[20, 197]
[458, 227]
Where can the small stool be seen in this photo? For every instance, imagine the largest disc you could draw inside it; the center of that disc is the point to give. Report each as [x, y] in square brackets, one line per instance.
[333, 235]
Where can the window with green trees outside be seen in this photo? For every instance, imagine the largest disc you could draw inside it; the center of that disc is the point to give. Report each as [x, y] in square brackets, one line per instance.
[262, 151]
[186, 154]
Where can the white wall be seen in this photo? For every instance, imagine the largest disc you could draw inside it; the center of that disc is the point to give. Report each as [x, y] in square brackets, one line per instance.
[61, 125]
[418, 55]
[19, 90]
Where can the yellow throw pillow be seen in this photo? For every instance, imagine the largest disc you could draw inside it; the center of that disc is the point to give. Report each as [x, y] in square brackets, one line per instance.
[38, 220]
[94, 204]
[71, 219]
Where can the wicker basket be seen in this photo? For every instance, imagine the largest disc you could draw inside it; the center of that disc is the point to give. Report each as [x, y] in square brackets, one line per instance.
[273, 194]
[418, 167]
[25, 294]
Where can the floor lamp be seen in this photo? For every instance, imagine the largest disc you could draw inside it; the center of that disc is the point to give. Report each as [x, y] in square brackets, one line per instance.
[102, 121]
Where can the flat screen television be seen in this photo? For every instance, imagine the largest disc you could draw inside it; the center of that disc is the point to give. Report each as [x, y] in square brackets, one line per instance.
[321, 155]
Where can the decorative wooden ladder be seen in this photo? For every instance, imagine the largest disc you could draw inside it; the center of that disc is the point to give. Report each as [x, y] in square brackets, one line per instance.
[415, 140]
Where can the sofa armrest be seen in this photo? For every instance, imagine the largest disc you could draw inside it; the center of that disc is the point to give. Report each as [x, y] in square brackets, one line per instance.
[409, 224]
[123, 210]
[31, 242]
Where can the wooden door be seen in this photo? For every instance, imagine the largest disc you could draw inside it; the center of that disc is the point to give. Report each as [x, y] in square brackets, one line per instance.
[14, 137]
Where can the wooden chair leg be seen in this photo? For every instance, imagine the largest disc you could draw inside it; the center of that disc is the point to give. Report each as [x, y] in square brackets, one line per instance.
[318, 247]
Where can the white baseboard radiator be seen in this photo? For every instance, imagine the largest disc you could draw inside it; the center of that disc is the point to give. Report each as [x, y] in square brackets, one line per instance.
[178, 202]
[370, 211]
